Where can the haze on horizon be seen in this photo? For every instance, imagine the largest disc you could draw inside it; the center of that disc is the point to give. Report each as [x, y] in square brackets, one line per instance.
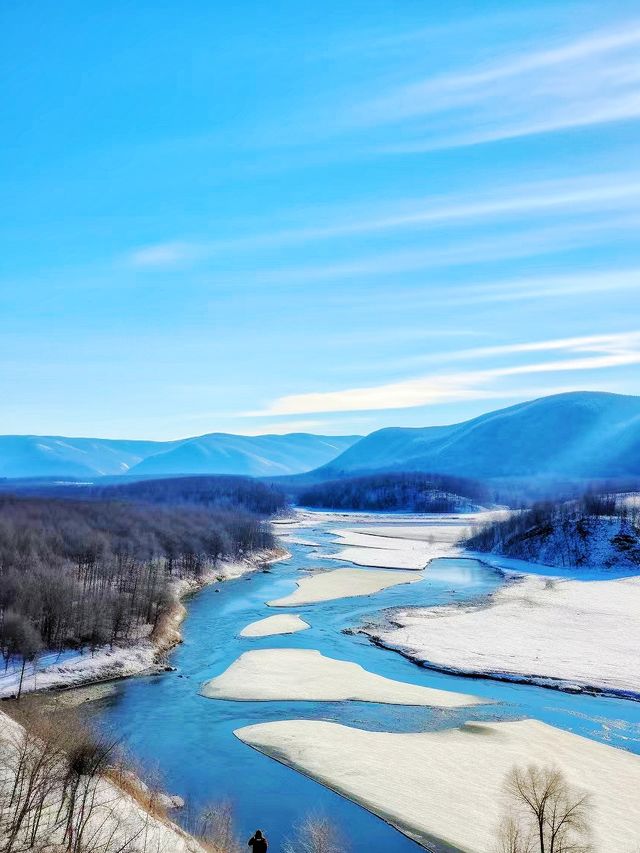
[253, 219]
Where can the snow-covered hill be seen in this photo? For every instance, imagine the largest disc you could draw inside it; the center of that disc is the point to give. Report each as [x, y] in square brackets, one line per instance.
[581, 434]
[218, 453]
[59, 456]
[253, 456]
[567, 535]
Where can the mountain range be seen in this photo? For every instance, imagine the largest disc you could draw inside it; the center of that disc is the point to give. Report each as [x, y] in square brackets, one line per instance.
[574, 435]
[579, 434]
[217, 453]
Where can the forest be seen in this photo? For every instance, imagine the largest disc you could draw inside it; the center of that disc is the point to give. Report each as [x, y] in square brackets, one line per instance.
[218, 491]
[405, 492]
[79, 574]
[595, 529]
[208, 491]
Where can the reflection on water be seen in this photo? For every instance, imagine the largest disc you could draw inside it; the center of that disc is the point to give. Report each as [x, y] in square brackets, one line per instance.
[166, 723]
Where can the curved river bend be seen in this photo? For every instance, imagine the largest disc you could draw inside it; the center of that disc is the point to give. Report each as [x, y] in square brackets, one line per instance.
[166, 723]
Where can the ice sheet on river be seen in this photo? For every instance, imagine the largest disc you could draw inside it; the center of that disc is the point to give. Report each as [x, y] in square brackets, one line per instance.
[283, 623]
[406, 543]
[307, 675]
[389, 552]
[541, 629]
[342, 583]
[445, 788]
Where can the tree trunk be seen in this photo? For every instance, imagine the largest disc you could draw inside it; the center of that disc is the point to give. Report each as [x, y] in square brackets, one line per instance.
[24, 663]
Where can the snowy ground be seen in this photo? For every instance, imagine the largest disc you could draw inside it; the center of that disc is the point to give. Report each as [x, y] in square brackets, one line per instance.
[342, 583]
[564, 632]
[307, 675]
[285, 623]
[406, 542]
[388, 552]
[81, 669]
[578, 542]
[117, 820]
[445, 788]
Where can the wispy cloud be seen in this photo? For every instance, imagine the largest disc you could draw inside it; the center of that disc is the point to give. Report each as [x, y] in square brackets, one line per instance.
[589, 80]
[161, 255]
[595, 352]
[461, 251]
[601, 193]
[553, 286]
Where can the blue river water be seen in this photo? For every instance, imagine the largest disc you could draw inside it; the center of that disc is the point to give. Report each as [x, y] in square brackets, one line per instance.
[165, 723]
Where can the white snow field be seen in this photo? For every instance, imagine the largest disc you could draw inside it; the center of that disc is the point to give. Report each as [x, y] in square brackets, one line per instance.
[307, 675]
[388, 552]
[78, 669]
[284, 623]
[445, 788]
[342, 583]
[407, 542]
[542, 629]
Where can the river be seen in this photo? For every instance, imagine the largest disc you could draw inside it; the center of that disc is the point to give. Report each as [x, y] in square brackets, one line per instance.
[165, 723]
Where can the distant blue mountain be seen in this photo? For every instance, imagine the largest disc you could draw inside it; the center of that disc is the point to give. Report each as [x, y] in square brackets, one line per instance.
[57, 456]
[218, 453]
[253, 456]
[581, 434]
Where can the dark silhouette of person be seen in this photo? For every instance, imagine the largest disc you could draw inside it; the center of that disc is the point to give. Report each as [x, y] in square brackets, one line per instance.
[258, 842]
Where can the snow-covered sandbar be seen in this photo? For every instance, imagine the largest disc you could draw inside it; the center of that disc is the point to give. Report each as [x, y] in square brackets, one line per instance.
[406, 542]
[445, 788]
[389, 552]
[307, 675]
[342, 583]
[283, 623]
[563, 633]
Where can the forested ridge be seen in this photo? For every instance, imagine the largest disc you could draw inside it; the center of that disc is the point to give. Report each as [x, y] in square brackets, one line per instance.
[412, 491]
[222, 492]
[87, 573]
[596, 529]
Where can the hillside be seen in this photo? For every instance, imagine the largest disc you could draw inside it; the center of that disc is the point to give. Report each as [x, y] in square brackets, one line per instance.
[218, 453]
[395, 492]
[253, 456]
[581, 434]
[58, 456]
[218, 492]
[601, 532]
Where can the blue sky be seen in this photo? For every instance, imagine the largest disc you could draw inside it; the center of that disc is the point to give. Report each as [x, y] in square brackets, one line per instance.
[325, 217]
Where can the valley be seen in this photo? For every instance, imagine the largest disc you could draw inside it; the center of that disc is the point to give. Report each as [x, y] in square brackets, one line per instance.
[192, 736]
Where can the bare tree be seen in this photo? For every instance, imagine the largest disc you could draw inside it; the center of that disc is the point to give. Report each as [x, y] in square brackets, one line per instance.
[53, 794]
[214, 827]
[547, 814]
[316, 834]
[514, 838]
[81, 574]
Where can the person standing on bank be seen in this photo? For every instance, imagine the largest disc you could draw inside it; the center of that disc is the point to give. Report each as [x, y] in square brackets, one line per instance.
[258, 842]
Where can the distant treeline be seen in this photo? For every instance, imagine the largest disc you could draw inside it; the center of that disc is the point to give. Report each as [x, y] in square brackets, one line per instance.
[524, 492]
[77, 573]
[604, 528]
[221, 492]
[409, 492]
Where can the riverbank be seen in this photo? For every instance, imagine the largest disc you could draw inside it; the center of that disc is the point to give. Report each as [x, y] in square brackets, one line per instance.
[571, 635]
[445, 789]
[144, 656]
[118, 810]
